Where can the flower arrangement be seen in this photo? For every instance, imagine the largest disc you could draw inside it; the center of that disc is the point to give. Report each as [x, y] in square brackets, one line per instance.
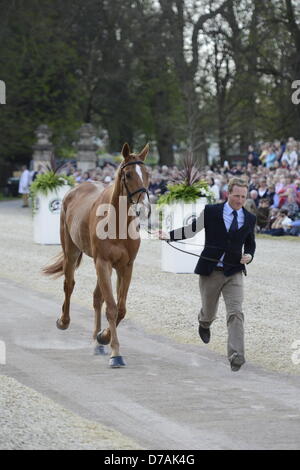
[191, 187]
[49, 181]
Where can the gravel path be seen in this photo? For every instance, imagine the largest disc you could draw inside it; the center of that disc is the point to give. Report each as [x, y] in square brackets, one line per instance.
[167, 303]
[30, 421]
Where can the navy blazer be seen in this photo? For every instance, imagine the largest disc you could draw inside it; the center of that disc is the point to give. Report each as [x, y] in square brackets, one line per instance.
[219, 241]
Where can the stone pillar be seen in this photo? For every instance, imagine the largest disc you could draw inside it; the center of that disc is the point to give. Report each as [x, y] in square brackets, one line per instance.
[86, 147]
[43, 149]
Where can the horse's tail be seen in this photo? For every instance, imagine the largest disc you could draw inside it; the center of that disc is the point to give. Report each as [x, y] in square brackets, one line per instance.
[56, 269]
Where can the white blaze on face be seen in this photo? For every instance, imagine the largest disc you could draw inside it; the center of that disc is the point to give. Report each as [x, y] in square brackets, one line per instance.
[143, 201]
[139, 172]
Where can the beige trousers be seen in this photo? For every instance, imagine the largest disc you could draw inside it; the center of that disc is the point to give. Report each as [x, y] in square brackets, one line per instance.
[231, 287]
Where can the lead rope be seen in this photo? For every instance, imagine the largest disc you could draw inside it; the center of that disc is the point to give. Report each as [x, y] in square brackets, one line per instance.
[193, 254]
[201, 256]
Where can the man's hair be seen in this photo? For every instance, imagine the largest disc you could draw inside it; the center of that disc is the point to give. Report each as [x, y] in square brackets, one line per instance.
[236, 182]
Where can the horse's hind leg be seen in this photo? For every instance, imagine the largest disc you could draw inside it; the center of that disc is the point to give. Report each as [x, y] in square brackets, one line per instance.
[71, 260]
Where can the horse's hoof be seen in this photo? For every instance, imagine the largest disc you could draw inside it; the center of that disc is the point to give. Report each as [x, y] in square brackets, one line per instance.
[101, 339]
[62, 326]
[116, 362]
[100, 350]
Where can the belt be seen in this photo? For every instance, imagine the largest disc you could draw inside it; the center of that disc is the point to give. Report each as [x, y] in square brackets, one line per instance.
[218, 268]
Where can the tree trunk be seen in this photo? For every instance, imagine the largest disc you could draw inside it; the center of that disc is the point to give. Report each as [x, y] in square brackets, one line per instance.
[163, 131]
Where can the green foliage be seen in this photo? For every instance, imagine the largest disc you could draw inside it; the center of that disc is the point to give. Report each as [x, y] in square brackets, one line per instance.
[37, 63]
[144, 70]
[186, 193]
[48, 182]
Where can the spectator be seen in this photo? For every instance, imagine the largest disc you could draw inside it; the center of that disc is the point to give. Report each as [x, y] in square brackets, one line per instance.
[39, 171]
[272, 217]
[262, 189]
[253, 183]
[252, 157]
[264, 153]
[213, 187]
[294, 228]
[285, 190]
[278, 151]
[24, 185]
[107, 181]
[290, 157]
[86, 176]
[254, 195]
[281, 225]
[290, 204]
[262, 215]
[271, 193]
[237, 170]
[250, 204]
[270, 157]
[297, 189]
[154, 188]
[224, 188]
[78, 176]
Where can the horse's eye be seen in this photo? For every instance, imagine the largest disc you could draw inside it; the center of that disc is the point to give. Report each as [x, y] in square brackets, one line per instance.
[128, 175]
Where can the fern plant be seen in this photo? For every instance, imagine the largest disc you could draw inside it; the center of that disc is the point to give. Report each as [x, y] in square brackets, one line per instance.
[191, 187]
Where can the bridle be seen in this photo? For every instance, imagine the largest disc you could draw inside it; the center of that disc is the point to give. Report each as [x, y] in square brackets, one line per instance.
[140, 190]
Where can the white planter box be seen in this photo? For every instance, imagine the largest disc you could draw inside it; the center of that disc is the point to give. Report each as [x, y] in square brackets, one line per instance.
[46, 219]
[175, 216]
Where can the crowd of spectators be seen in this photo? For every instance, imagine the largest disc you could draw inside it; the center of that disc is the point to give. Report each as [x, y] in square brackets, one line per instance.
[272, 173]
[273, 176]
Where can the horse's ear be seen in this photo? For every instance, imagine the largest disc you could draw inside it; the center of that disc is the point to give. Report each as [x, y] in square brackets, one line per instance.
[144, 152]
[126, 151]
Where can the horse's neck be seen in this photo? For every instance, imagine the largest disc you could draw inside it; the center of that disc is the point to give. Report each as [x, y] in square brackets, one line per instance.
[120, 207]
[116, 193]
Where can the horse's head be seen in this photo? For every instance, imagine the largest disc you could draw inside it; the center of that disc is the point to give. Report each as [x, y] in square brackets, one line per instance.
[135, 177]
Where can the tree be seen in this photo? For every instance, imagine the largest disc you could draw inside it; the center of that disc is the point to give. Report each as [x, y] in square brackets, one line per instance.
[38, 67]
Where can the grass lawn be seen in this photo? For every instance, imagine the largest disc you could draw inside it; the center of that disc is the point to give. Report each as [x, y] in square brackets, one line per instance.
[285, 237]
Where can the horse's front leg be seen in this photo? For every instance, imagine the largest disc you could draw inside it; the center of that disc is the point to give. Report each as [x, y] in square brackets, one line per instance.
[124, 279]
[99, 349]
[104, 270]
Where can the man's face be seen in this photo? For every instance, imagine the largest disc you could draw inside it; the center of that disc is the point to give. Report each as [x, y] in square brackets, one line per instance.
[237, 197]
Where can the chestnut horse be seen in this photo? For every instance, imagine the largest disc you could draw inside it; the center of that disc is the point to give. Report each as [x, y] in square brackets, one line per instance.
[94, 222]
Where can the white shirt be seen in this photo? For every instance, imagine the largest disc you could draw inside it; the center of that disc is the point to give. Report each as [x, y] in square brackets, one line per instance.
[216, 191]
[228, 218]
[24, 182]
[291, 159]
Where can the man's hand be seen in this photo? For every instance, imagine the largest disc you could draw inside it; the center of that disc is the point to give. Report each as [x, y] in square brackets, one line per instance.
[162, 235]
[245, 259]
